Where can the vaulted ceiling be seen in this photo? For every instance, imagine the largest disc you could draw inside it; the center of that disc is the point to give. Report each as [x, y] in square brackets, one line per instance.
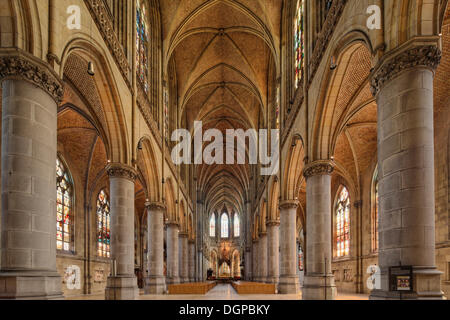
[224, 59]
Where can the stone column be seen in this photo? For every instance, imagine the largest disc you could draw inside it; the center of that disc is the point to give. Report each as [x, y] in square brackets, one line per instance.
[200, 232]
[262, 259]
[248, 264]
[183, 257]
[319, 280]
[155, 282]
[255, 259]
[403, 86]
[172, 253]
[288, 283]
[30, 93]
[123, 284]
[273, 247]
[191, 267]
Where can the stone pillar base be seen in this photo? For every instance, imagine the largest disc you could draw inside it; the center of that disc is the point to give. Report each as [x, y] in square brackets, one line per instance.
[274, 280]
[155, 285]
[29, 286]
[175, 280]
[121, 288]
[426, 286]
[319, 288]
[288, 285]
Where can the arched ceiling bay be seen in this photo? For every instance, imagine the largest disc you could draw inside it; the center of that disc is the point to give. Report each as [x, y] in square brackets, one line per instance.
[224, 56]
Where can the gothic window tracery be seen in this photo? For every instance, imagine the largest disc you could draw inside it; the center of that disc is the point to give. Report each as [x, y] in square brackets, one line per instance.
[299, 42]
[212, 226]
[103, 225]
[224, 225]
[343, 224]
[142, 44]
[64, 207]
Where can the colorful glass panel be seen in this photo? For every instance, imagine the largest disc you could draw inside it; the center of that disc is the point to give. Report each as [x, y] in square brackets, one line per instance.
[299, 42]
[212, 226]
[343, 224]
[103, 225]
[142, 41]
[64, 189]
[224, 224]
[237, 225]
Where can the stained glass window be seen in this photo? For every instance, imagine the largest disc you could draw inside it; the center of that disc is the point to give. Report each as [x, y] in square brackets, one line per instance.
[375, 216]
[212, 226]
[237, 225]
[224, 224]
[343, 224]
[103, 225]
[166, 114]
[299, 42]
[142, 39]
[64, 193]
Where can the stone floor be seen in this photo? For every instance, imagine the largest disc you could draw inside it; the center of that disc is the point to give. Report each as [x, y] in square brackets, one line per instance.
[222, 292]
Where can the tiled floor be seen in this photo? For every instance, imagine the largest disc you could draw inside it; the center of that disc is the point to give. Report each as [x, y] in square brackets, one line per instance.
[222, 292]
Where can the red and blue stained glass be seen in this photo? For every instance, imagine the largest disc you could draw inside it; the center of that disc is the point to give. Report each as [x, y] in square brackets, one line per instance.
[299, 42]
[142, 39]
[343, 224]
[63, 208]
[103, 226]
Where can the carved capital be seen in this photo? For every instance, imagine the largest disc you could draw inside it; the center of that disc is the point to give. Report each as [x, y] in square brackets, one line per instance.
[273, 223]
[172, 224]
[18, 65]
[317, 168]
[183, 235]
[428, 56]
[155, 206]
[289, 204]
[118, 170]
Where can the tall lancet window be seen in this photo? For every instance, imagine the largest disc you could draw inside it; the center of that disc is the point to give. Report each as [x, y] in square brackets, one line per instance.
[343, 224]
[299, 42]
[103, 225]
[375, 211]
[212, 226]
[237, 225]
[64, 208]
[224, 225]
[142, 41]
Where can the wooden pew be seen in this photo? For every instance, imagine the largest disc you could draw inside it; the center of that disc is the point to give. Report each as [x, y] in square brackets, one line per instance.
[254, 288]
[191, 288]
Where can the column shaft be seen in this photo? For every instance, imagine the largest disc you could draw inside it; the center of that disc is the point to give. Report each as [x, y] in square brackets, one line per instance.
[255, 260]
[28, 232]
[183, 257]
[319, 281]
[191, 261]
[263, 262]
[273, 247]
[155, 282]
[288, 283]
[172, 254]
[406, 171]
[123, 284]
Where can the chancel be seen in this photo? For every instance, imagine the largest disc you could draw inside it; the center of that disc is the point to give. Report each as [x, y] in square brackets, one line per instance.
[336, 185]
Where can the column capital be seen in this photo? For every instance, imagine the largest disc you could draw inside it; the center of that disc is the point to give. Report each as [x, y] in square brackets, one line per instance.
[155, 206]
[172, 224]
[19, 65]
[183, 235]
[289, 204]
[319, 167]
[255, 241]
[418, 55]
[190, 241]
[262, 234]
[119, 170]
[273, 223]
